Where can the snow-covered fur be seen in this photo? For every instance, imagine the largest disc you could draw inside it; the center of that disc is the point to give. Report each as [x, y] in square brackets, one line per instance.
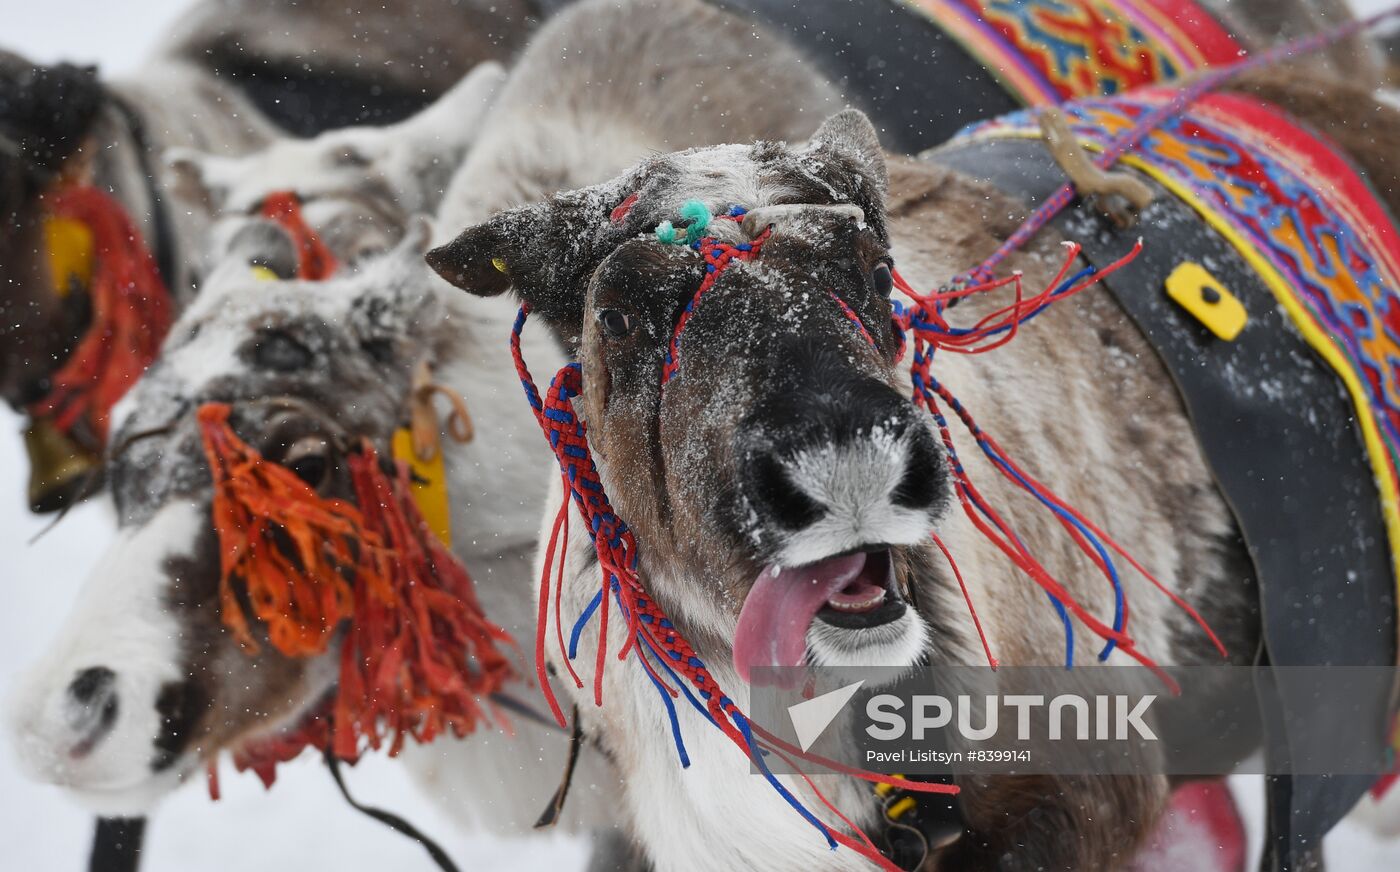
[357, 184]
[406, 46]
[607, 82]
[676, 466]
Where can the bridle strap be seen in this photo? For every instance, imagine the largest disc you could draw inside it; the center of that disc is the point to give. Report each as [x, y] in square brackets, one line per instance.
[162, 235]
[389, 819]
[550, 816]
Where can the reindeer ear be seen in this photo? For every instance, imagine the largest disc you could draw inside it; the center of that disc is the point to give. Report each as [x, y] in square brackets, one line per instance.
[474, 261]
[850, 133]
[192, 174]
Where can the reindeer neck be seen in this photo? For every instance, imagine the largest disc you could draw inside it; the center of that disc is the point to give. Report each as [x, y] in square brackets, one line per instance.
[1082, 403]
[170, 104]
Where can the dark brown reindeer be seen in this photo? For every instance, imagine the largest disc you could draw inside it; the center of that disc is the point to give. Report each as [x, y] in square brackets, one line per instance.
[784, 448]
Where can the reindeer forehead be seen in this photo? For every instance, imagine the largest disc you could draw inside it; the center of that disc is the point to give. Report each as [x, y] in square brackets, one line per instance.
[754, 175]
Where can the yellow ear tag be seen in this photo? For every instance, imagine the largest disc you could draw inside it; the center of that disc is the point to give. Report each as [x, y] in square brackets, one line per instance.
[499, 264]
[429, 485]
[262, 273]
[1193, 288]
[70, 247]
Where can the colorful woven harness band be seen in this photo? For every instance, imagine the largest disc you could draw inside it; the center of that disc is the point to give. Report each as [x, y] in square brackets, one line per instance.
[1047, 51]
[666, 657]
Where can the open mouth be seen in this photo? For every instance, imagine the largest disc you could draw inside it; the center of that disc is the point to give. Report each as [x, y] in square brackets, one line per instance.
[853, 591]
[870, 599]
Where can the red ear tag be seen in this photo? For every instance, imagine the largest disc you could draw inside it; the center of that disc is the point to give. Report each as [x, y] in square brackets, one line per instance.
[620, 213]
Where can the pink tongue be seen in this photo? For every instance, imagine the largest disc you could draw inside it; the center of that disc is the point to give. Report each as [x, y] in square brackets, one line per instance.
[780, 608]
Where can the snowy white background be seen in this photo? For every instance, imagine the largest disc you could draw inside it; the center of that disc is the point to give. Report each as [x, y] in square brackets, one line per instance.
[302, 824]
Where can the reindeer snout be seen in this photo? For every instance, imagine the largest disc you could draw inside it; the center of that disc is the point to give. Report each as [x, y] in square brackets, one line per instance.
[834, 467]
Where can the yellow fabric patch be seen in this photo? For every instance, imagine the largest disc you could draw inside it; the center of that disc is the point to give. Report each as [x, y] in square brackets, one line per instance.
[429, 485]
[1193, 288]
[70, 249]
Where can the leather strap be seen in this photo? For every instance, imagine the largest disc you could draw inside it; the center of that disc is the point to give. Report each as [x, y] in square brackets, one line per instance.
[1291, 466]
[116, 845]
[389, 819]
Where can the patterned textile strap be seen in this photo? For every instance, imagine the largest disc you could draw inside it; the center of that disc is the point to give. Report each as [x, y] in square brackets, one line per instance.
[1047, 51]
[1301, 216]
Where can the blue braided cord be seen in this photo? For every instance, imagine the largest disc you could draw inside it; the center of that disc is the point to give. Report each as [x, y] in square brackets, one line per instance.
[681, 683]
[670, 711]
[582, 622]
[756, 755]
[942, 422]
[1093, 540]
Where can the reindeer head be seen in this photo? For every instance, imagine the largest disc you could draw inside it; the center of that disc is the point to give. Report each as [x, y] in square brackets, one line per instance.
[47, 115]
[754, 437]
[144, 681]
[359, 184]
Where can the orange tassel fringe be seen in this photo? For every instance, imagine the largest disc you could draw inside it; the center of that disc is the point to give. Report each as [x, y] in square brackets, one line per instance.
[131, 313]
[291, 549]
[315, 259]
[418, 655]
[419, 652]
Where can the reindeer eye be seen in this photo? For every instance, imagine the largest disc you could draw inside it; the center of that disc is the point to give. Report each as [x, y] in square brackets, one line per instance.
[279, 352]
[615, 322]
[883, 279]
[310, 459]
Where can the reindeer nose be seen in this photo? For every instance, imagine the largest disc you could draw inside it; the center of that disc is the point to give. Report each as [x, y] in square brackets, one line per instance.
[851, 461]
[91, 706]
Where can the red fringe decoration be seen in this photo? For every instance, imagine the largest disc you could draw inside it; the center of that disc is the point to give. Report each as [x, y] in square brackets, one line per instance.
[418, 654]
[315, 260]
[291, 549]
[131, 313]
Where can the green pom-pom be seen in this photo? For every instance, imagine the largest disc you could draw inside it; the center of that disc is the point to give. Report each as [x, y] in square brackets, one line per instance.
[697, 214]
[666, 233]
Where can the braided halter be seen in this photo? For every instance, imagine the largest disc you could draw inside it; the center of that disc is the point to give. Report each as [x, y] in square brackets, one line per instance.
[667, 658]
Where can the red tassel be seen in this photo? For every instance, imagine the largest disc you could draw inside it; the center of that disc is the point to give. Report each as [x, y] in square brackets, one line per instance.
[315, 261]
[131, 314]
[261, 512]
[418, 656]
[419, 653]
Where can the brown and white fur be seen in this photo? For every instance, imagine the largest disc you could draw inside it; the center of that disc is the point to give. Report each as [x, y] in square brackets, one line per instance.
[678, 465]
[179, 687]
[356, 379]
